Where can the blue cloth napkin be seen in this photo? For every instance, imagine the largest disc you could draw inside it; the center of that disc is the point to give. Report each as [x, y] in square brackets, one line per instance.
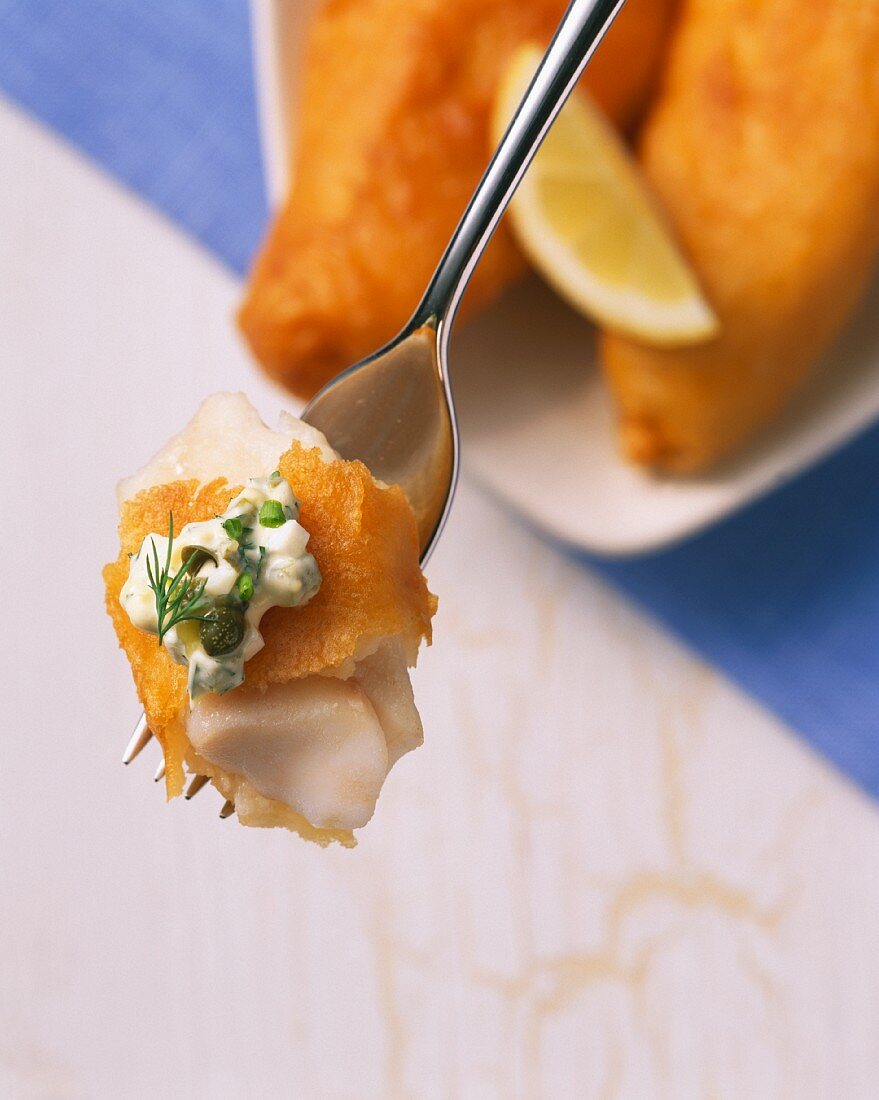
[160, 93]
[783, 597]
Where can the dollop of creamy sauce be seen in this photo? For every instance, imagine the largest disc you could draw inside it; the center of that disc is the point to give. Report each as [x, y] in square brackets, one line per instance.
[232, 569]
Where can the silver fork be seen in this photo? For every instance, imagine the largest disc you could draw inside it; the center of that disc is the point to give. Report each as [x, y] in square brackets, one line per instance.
[394, 410]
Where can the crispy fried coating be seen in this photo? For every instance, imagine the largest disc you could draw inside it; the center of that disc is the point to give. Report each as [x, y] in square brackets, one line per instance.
[623, 74]
[365, 541]
[764, 149]
[393, 136]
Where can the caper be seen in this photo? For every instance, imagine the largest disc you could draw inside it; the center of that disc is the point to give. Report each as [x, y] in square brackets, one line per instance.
[222, 630]
[194, 557]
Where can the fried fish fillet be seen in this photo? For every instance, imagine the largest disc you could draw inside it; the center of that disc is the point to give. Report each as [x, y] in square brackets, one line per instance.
[326, 707]
[764, 148]
[393, 136]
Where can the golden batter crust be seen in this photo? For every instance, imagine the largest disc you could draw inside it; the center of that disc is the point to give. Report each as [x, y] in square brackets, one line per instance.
[365, 541]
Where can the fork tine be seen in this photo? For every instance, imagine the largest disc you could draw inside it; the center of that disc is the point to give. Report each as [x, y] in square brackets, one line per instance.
[227, 810]
[160, 772]
[139, 740]
[196, 784]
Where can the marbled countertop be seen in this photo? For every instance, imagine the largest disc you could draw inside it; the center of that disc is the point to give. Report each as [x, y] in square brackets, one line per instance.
[606, 874]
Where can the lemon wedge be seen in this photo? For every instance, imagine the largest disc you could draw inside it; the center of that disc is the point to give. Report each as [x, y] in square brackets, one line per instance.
[585, 218]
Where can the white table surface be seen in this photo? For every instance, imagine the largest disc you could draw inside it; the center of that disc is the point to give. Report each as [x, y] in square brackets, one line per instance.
[606, 874]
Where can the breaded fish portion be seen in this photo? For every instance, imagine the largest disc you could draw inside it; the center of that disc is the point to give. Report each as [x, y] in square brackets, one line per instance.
[393, 136]
[764, 149]
[341, 659]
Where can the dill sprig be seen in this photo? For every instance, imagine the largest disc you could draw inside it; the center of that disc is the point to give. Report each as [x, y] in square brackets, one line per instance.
[178, 599]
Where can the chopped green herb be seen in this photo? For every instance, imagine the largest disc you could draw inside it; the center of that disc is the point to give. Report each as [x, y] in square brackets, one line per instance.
[271, 514]
[171, 590]
[234, 528]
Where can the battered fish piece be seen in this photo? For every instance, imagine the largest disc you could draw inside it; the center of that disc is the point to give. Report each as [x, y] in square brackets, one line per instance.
[764, 149]
[393, 138]
[326, 707]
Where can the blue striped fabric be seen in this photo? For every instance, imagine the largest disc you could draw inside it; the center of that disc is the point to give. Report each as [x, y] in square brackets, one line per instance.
[783, 597]
[159, 92]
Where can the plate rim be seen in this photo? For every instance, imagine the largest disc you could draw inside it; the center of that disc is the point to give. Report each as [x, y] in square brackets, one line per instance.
[808, 446]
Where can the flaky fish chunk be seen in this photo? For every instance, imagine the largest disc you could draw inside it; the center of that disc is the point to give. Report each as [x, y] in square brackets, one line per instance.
[393, 136]
[326, 707]
[764, 149]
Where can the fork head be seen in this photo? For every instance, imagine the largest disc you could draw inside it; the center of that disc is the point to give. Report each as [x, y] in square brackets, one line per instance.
[138, 742]
[394, 412]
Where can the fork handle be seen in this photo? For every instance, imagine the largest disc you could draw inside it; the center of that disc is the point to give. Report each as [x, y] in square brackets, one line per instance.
[579, 33]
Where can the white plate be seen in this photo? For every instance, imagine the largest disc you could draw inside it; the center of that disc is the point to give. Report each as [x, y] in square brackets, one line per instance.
[537, 421]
